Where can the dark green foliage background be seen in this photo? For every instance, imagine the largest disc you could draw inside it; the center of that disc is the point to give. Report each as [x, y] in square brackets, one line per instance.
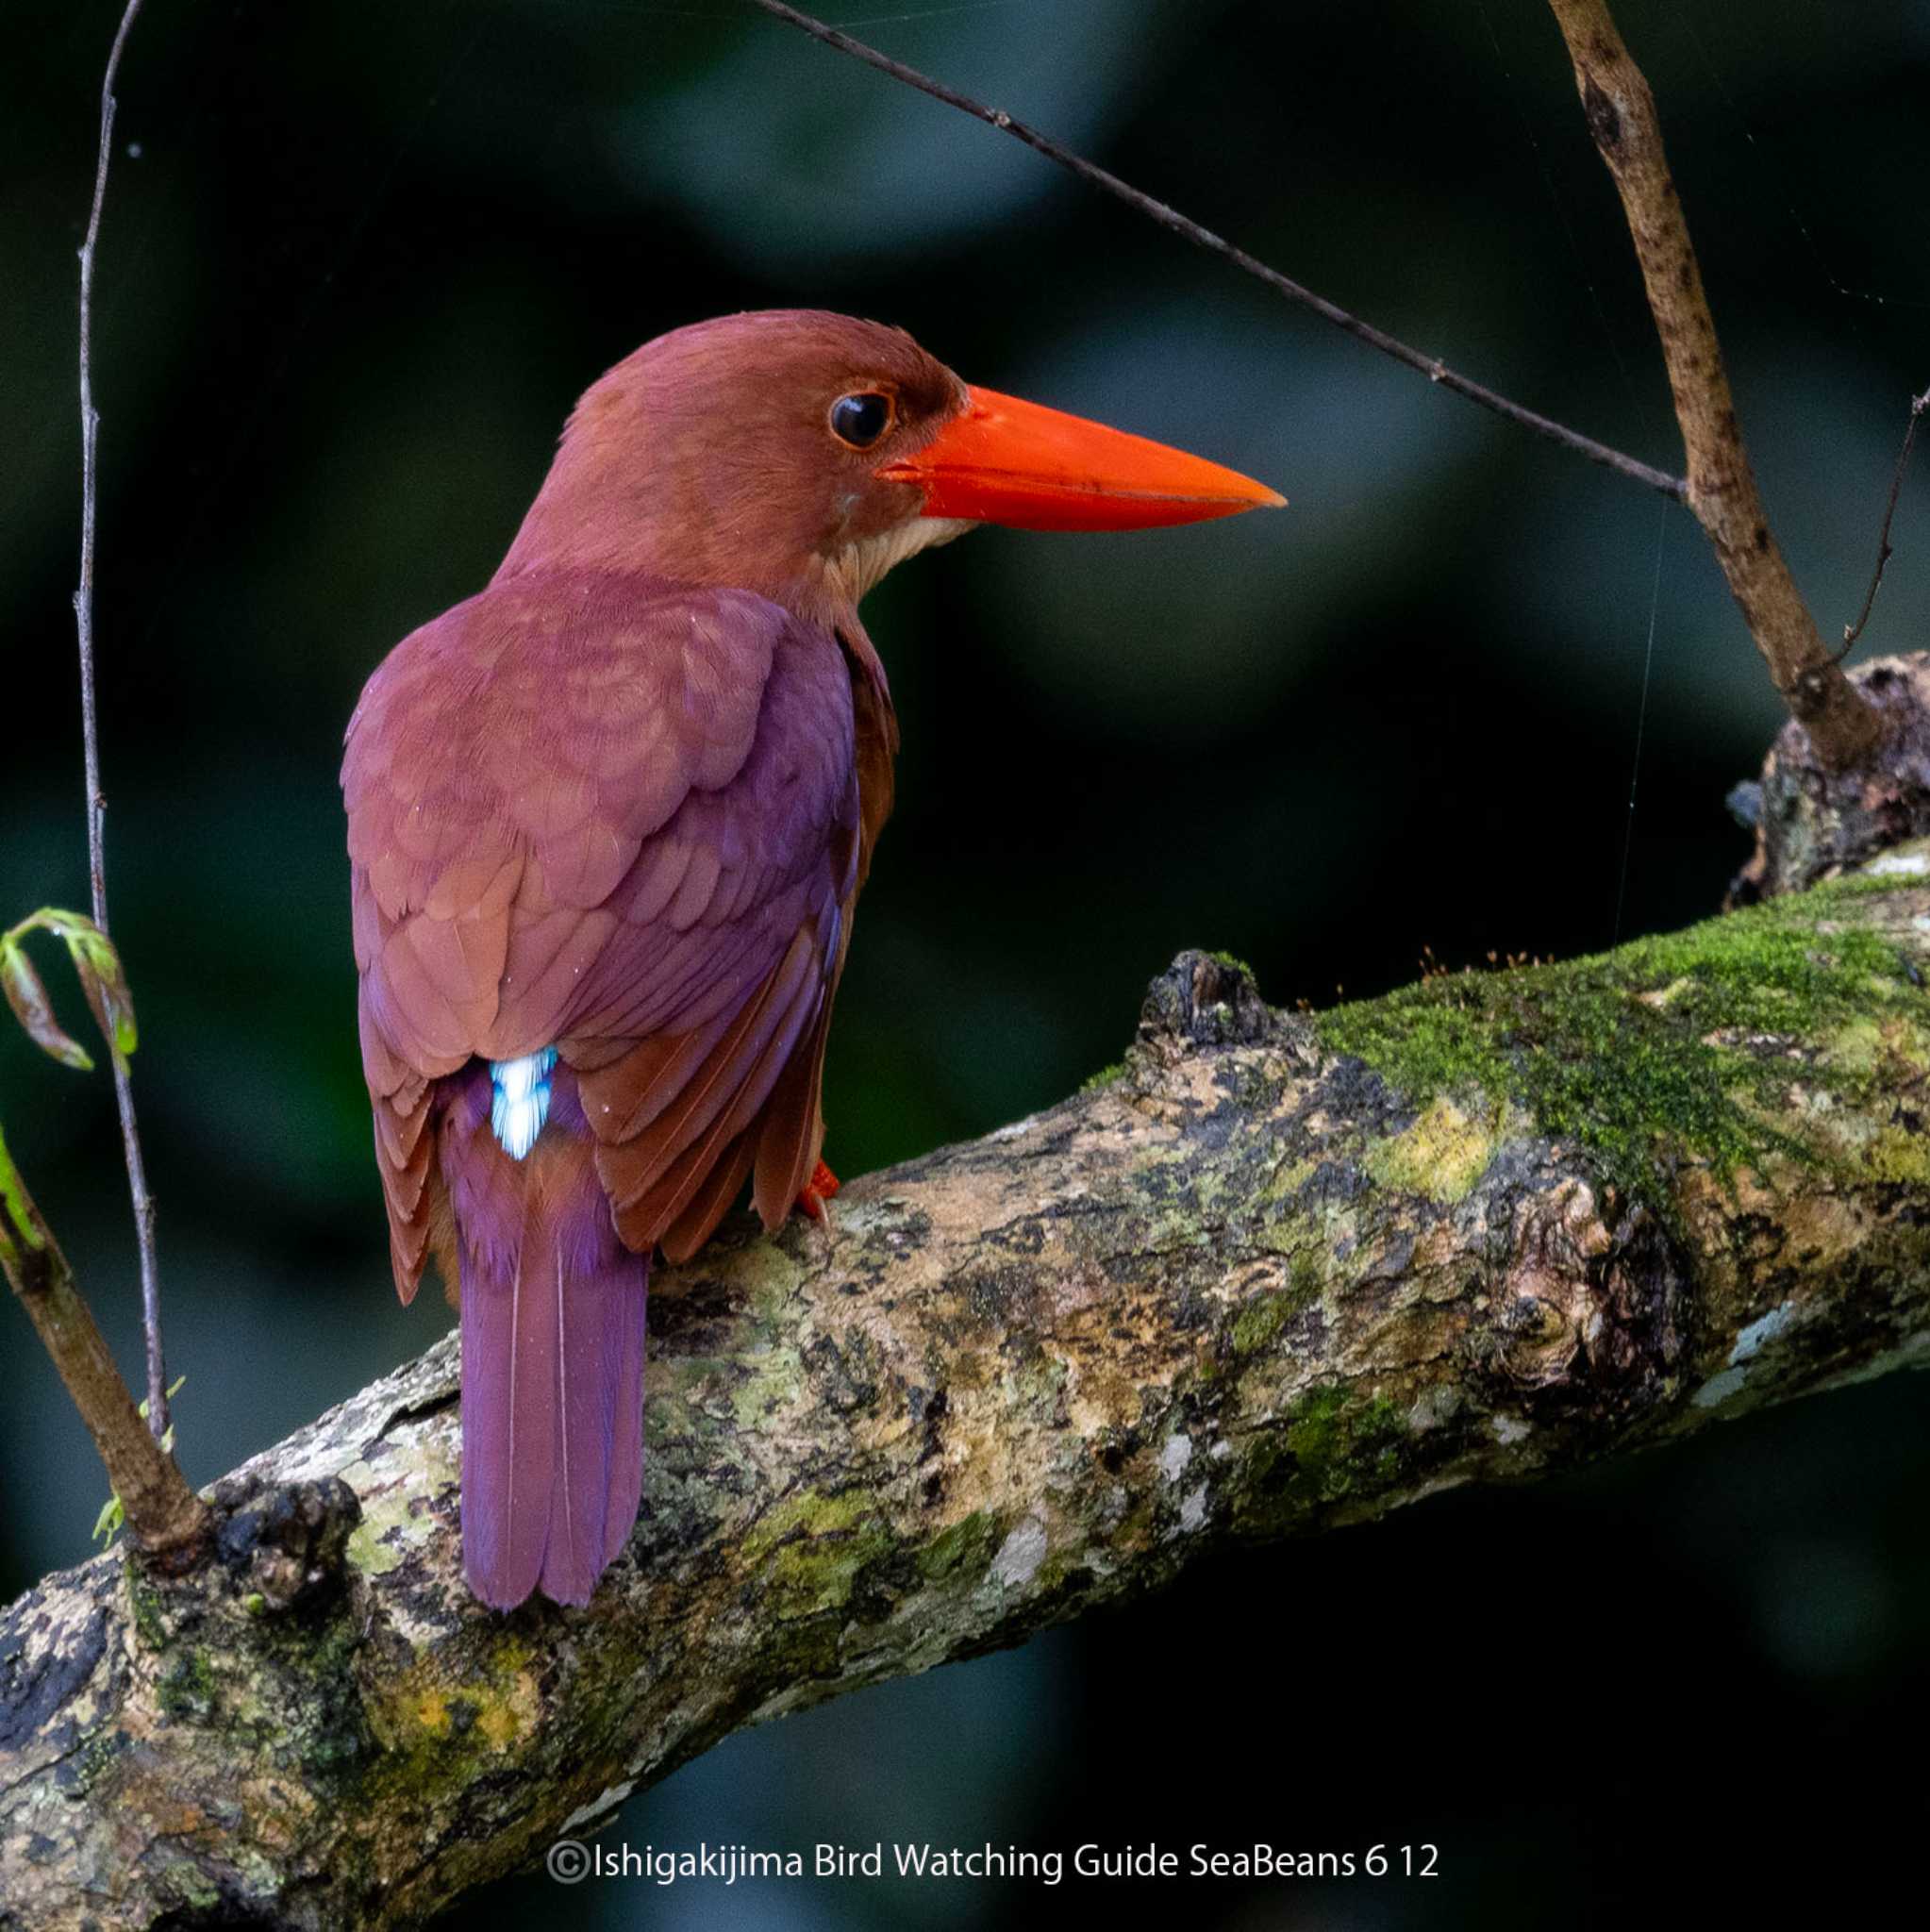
[358, 263]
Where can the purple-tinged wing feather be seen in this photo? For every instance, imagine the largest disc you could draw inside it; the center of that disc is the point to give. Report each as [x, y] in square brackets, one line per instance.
[624, 820]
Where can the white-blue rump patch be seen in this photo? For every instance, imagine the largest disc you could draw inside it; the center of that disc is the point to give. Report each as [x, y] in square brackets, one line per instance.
[521, 1101]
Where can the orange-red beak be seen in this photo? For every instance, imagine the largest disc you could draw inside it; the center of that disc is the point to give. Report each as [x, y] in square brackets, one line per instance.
[1006, 461]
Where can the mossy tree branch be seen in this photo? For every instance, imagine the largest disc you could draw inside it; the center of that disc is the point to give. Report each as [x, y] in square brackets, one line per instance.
[1275, 1275]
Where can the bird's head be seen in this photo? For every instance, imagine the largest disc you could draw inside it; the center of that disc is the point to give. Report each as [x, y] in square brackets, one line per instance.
[802, 455]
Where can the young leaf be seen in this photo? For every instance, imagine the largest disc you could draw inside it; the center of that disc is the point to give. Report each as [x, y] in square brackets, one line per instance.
[26, 994]
[104, 982]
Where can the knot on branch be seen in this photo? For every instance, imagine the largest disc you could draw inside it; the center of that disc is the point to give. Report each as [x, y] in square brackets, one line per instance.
[1604, 117]
[1589, 1321]
[1811, 822]
[285, 1543]
[1204, 999]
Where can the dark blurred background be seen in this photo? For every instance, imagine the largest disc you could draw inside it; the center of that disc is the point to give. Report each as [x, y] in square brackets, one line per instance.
[359, 262]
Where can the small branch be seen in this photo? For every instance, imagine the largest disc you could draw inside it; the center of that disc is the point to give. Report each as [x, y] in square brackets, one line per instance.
[1723, 493]
[1853, 631]
[165, 1519]
[1719, 488]
[96, 800]
[1171, 219]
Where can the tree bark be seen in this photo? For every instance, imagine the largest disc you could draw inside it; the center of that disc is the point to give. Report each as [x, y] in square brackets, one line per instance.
[1814, 822]
[1275, 1273]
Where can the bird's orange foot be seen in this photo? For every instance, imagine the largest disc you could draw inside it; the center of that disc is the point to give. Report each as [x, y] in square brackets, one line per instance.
[819, 1189]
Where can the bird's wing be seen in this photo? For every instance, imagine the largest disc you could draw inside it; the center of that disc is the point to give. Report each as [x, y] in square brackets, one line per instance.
[620, 821]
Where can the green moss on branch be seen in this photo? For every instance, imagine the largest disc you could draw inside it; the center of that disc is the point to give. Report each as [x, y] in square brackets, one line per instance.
[1282, 1274]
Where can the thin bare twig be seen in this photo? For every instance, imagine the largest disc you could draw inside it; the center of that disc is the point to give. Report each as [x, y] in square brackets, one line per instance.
[1853, 631]
[1170, 218]
[1621, 114]
[96, 801]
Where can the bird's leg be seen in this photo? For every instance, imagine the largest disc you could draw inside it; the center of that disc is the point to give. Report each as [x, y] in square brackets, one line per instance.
[818, 1191]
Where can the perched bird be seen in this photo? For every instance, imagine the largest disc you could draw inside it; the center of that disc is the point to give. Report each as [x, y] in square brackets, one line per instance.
[608, 822]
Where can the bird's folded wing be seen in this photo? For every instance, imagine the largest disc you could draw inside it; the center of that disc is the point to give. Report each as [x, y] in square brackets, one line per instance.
[623, 821]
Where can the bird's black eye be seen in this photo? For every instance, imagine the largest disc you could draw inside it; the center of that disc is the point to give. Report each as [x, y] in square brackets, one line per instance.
[861, 419]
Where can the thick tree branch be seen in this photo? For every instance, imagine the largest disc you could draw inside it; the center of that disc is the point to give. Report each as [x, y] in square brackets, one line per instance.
[1621, 114]
[1275, 1275]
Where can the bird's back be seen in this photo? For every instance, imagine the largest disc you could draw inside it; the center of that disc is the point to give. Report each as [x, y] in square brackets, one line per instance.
[606, 837]
[617, 820]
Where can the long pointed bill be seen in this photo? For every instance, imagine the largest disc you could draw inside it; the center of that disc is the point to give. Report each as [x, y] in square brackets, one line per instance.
[1008, 461]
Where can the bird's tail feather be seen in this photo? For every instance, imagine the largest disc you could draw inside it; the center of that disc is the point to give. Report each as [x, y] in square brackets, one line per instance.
[552, 1321]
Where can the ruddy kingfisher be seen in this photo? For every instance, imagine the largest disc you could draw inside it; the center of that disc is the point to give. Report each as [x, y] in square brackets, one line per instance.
[607, 822]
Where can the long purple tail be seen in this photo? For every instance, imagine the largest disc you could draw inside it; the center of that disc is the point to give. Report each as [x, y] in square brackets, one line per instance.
[553, 1323]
